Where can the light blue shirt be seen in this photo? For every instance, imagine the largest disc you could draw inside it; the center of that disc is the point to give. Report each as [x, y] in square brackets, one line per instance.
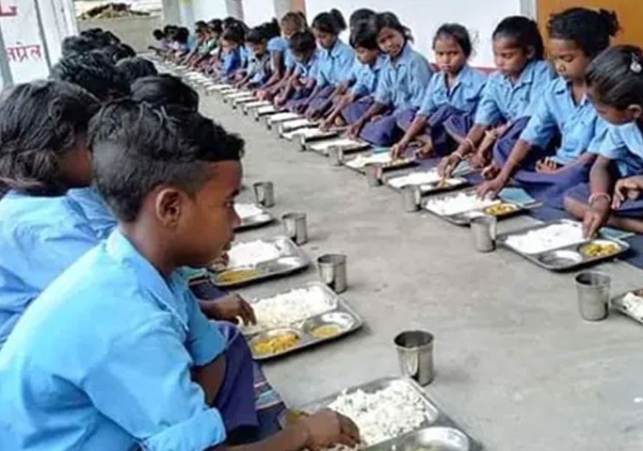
[504, 101]
[93, 206]
[40, 237]
[334, 64]
[101, 361]
[463, 95]
[624, 145]
[403, 82]
[259, 68]
[289, 60]
[277, 45]
[309, 68]
[578, 124]
[231, 61]
[367, 77]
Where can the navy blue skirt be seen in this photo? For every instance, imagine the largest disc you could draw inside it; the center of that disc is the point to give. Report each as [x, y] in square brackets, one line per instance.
[443, 144]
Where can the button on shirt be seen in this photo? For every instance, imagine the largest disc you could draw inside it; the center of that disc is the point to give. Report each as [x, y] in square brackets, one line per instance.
[367, 77]
[40, 236]
[334, 64]
[463, 95]
[403, 82]
[556, 111]
[624, 145]
[93, 206]
[504, 101]
[101, 361]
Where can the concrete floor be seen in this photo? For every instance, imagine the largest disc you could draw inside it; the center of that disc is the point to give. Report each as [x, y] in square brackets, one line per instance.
[516, 366]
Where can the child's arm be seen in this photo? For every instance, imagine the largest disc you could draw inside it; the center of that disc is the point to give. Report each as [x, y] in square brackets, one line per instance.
[627, 188]
[467, 147]
[599, 202]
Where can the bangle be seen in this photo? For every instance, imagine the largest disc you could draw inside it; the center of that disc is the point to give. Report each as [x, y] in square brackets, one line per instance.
[595, 196]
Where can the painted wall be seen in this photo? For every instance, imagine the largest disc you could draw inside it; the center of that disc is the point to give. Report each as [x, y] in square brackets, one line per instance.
[425, 16]
[256, 12]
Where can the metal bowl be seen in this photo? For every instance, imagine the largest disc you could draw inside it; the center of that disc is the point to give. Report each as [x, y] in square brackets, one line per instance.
[339, 321]
[435, 439]
[607, 248]
[560, 259]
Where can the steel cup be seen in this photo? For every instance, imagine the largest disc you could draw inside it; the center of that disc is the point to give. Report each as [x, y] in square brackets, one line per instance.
[295, 226]
[332, 271]
[483, 229]
[411, 197]
[264, 193]
[593, 290]
[415, 355]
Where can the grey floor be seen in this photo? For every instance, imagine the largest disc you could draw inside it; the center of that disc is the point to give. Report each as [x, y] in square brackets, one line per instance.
[516, 366]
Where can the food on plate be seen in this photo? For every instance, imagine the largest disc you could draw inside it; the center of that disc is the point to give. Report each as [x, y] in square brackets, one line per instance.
[633, 304]
[294, 415]
[500, 209]
[344, 143]
[237, 275]
[287, 308]
[362, 161]
[547, 238]
[397, 162]
[598, 249]
[245, 211]
[274, 344]
[252, 253]
[460, 203]
[325, 331]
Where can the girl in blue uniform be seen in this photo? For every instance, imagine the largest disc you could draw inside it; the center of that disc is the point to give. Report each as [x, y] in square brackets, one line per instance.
[508, 97]
[576, 36]
[455, 90]
[291, 23]
[613, 195]
[336, 60]
[259, 64]
[232, 45]
[402, 83]
[350, 105]
[302, 81]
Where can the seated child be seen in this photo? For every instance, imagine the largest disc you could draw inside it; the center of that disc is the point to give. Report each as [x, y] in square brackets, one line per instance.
[402, 84]
[117, 342]
[508, 98]
[302, 81]
[259, 65]
[576, 36]
[351, 105]
[232, 42]
[454, 91]
[613, 196]
[336, 61]
[165, 89]
[135, 68]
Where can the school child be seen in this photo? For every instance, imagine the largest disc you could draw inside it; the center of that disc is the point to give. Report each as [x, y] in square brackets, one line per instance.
[135, 68]
[259, 66]
[162, 43]
[165, 89]
[118, 336]
[576, 36]
[351, 105]
[302, 81]
[208, 40]
[509, 96]
[613, 195]
[402, 84]
[336, 61]
[454, 91]
[73, 45]
[232, 43]
[291, 23]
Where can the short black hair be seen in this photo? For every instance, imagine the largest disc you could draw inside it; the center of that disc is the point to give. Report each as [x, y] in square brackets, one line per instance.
[360, 15]
[270, 29]
[302, 42]
[39, 122]
[591, 30]
[524, 32]
[332, 22]
[158, 34]
[616, 76]
[135, 68]
[294, 20]
[182, 35]
[389, 20]
[165, 89]
[255, 36]
[216, 25]
[73, 45]
[234, 33]
[458, 33]
[137, 147]
[362, 35]
[95, 72]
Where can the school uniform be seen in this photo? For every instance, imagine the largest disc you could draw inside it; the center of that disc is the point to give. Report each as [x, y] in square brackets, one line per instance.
[304, 71]
[40, 236]
[333, 66]
[259, 70]
[102, 361]
[366, 78]
[441, 103]
[278, 45]
[579, 128]
[504, 102]
[231, 62]
[101, 220]
[401, 86]
[623, 144]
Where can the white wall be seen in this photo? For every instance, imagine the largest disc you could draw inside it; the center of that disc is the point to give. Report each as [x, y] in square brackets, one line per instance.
[256, 12]
[206, 10]
[425, 16]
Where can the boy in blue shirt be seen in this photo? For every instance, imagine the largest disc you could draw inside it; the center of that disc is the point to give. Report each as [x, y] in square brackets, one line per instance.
[115, 354]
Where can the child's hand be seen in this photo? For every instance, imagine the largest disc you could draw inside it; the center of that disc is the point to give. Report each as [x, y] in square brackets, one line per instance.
[448, 164]
[478, 160]
[491, 188]
[628, 188]
[596, 217]
[397, 151]
[229, 308]
[326, 428]
[546, 166]
[355, 129]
